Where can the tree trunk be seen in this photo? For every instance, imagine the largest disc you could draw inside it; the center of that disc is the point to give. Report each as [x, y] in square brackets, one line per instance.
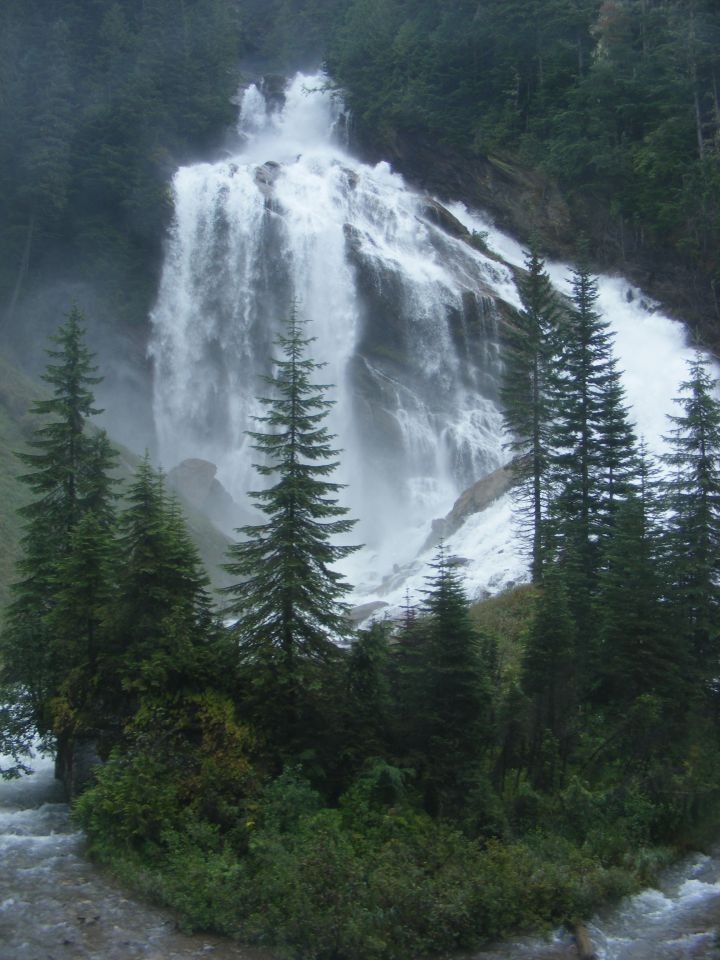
[582, 942]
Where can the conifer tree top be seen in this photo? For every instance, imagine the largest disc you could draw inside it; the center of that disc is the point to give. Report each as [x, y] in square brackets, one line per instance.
[288, 600]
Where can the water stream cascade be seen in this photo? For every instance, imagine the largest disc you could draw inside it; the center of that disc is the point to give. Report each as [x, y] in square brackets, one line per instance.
[405, 298]
[403, 308]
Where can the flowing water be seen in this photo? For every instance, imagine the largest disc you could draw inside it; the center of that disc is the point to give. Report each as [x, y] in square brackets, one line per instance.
[54, 905]
[405, 316]
[405, 310]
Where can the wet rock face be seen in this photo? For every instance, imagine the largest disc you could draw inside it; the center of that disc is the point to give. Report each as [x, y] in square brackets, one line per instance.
[365, 611]
[526, 203]
[522, 201]
[196, 481]
[474, 500]
[441, 217]
[265, 177]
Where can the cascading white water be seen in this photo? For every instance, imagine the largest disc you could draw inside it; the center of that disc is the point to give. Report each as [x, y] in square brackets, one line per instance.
[405, 310]
[55, 905]
[404, 314]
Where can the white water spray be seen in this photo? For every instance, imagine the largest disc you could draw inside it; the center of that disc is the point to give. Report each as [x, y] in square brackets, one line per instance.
[405, 312]
[402, 311]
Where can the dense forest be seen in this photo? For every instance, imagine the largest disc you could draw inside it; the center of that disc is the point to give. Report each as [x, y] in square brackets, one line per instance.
[420, 785]
[617, 101]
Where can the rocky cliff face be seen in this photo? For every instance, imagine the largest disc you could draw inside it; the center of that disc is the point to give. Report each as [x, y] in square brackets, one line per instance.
[526, 203]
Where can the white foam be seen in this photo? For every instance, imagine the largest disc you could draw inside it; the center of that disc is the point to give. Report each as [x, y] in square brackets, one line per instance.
[236, 245]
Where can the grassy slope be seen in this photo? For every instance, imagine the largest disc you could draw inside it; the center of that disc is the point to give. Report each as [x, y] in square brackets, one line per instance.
[17, 392]
[506, 619]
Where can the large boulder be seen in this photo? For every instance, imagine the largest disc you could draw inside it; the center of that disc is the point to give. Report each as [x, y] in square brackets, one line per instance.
[196, 481]
[440, 216]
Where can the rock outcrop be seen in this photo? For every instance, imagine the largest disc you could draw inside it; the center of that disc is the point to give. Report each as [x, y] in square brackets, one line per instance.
[196, 481]
[474, 500]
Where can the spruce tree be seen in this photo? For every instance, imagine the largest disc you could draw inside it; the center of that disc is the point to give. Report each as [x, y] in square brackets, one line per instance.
[66, 459]
[368, 701]
[287, 602]
[693, 499]
[550, 677]
[69, 478]
[592, 445]
[410, 677]
[162, 618]
[78, 635]
[457, 710]
[617, 450]
[637, 646]
[527, 377]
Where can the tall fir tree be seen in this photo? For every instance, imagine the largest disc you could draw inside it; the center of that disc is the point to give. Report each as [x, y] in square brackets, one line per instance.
[592, 445]
[162, 619]
[69, 477]
[457, 709]
[288, 601]
[693, 500]
[550, 678]
[367, 694]
[59, 469]
[529, 357]
[409, 680]
[77, 622]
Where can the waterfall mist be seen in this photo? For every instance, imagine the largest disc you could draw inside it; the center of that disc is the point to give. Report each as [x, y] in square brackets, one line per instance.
[406, 308]
[403, 308]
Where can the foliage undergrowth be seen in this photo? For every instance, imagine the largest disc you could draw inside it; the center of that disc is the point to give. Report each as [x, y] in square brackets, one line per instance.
[363, 878]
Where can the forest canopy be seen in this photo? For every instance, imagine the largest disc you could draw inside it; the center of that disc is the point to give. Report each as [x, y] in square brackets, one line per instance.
[615, 99]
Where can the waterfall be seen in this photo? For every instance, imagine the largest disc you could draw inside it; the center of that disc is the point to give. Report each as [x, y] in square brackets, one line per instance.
[404, 309]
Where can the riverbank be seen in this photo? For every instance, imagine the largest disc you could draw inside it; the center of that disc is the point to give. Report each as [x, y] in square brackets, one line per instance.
[53, 902]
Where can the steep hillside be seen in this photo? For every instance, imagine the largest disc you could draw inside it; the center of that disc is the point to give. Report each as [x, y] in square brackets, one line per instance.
[562, 118]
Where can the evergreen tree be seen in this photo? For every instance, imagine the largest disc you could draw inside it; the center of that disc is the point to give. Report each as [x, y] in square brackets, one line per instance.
[617, 450]
[163, 616]
[458, 699]
[550, 678]
[69, 479]
[592, 453]
[410, 680]
[638, 651]
[77, 626]
[526, 388]
[693, 499]
[287, 606]
[368, 701]
[59, 468]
